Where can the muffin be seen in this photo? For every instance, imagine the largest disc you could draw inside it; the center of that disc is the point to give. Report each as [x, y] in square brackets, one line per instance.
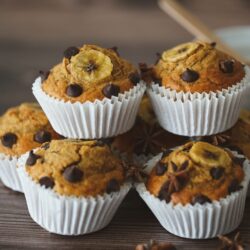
[153, 245]
[197, 184]
[92, 93]
[22, 128]
[81, 181]
[198, 87]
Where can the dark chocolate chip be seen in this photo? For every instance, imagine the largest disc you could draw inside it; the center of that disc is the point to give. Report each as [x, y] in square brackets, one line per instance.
[174, 166]
[74, 90]
[73, 174]
[32, 158]
[47, 181]
[164, 192]
[44, 75]
[45, 145]
[217, 173]
[201, 199]
[115, 49]
[184, 165]
[213, 44]
[42, 136]
[161, 168]
[239, 161]
[112, 186]
[134, 78]
[226, 66]
[210, 155]
[111, 90]
[71, 51]
[234, 186]
[9, 139]
[189, 75]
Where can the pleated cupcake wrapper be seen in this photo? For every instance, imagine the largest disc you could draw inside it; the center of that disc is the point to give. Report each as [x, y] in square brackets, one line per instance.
[199, 221]
[91, 120]
[8, 172]
[198, 114]
[68, 215]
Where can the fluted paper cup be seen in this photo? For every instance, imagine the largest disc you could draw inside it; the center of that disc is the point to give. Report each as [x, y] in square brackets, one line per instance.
[198, 114]
[8, 172]
[199, 221]
[68, 215]
[91, 120]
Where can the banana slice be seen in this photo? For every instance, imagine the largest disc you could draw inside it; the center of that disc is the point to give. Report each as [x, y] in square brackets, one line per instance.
[90, 66]
[206, 154]
[180, 52]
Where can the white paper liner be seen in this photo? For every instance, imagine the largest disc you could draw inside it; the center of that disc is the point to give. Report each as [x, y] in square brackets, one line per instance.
[198, 114]
[198, 221]
[8, 172]
[91, 120]
[68, 215]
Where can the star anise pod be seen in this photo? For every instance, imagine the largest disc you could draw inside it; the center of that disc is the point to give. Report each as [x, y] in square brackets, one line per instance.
[134, 171]
[217, 140]
[148, 139]
[153, 245]
[231, 244]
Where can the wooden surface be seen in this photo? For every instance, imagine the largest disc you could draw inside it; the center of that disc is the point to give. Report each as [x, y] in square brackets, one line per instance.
[33, 34]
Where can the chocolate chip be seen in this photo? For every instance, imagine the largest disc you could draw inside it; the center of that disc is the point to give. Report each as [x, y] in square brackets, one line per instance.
[74, 90]
[73, 174]
[115, 49]
[189, 75]
[111, 90]
[210, 155]
[44, 75]
[9, 139]
[47, 181]
[71, 51]
[216, 173]
[234, 186]
[32, 158]
[42, 136]
[134, 78]
[112, 186]
[184, 165]
[226, 66]
[164, 192]
[174, 166]
[161, 168]
[201, 199]
[213, 44]
[239, 161]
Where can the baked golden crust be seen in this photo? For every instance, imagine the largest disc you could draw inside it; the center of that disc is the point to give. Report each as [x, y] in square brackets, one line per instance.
[197, 169]
[92, 68]
[23, 128]
[197, 67]
[75, 167]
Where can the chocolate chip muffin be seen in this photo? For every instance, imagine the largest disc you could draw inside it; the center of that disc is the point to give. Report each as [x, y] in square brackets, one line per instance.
[89, 73]
[197, 172]
[23, 128]
[76, 168]
[197, 67]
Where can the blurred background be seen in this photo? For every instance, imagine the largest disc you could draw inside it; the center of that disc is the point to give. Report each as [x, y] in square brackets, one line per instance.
[34, 33]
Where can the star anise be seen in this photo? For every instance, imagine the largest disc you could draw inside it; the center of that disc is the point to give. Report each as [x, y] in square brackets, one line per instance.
[217, 140]
[134, 171]
[153, 245]
[231, 244]
[148, 139]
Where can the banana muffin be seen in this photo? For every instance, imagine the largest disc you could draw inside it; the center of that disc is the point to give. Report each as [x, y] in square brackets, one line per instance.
[75, 167]
[23, 128]
[90, 73]
[197, 172]
[197, 67]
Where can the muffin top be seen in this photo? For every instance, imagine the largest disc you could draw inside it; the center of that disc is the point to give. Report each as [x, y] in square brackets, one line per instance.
[197, 67]
[75, 167]
[89, 73]
[23, 128]
[197, 172]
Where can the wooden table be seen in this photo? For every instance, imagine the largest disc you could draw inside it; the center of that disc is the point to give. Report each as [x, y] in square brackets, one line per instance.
[33, 35]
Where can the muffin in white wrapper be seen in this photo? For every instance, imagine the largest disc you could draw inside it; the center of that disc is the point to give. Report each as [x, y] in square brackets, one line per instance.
[198, 114]
[198, 221]
[91, 120]
[68, 215]
[8, 172]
